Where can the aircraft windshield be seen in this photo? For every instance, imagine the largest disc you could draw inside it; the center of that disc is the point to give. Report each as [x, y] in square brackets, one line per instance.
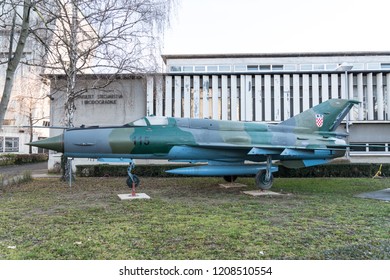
[140, 122]
[157, 120]
[149, 120]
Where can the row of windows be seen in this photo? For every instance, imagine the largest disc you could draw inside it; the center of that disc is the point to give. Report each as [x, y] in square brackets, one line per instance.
[273, 67]
[371, 148]
[9, 144]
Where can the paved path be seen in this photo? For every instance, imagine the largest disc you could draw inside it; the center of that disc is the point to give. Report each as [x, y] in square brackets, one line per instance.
[35, 168]
[380, 195]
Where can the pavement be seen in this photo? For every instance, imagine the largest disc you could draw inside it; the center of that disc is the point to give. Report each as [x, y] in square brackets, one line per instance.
[37, 170]
[379, 195]
[18, 169]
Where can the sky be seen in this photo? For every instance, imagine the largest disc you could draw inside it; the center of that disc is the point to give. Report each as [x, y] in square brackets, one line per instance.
[271, 26]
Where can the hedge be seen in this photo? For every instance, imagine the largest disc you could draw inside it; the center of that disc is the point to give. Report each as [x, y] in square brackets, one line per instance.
[105, 170]
[330, 170]
[10, 159]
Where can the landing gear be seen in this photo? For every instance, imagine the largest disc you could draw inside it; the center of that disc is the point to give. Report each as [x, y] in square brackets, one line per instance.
[262, 181]
[230, 179]
[132, 178]
[264, 178]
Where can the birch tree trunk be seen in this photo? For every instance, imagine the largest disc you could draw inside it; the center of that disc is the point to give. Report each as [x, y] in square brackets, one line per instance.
[14, 58]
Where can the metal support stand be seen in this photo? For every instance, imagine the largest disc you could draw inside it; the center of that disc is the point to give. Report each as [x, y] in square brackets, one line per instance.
[132, 181]
[269, 166]
[133, 193]
[68, 172]
[130, 169]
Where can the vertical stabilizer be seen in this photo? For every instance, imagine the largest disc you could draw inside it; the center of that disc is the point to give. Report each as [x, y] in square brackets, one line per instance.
[326, 116]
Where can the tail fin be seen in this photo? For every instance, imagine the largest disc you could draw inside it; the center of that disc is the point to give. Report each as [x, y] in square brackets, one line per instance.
[325, 117]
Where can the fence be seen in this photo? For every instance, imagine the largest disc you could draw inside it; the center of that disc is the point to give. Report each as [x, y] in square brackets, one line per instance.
[266, 97]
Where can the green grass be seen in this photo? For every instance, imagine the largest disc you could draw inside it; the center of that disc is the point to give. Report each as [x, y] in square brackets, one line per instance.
[193, 218]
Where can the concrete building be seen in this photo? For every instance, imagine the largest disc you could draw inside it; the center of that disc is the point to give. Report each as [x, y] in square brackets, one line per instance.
[29, 104]
[275, 87]
[122, 101]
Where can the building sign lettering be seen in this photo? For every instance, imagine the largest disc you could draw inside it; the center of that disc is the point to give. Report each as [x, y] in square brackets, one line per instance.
[104, 99]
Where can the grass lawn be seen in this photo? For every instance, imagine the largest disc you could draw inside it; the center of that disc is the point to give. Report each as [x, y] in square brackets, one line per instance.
[193, 218]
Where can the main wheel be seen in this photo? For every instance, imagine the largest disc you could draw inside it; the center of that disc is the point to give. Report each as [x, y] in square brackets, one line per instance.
[262, 182]
[230, 179]
[129, 181]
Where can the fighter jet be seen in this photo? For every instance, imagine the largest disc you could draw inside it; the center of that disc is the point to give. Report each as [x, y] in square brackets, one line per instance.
[226, 148]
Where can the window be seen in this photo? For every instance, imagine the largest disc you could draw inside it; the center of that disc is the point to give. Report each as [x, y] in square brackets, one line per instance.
[290, 67]
[385, 65]
[306, 67]
[277, 67]
[360, 147]
[370, 148]
[9, 122]
[212, 68]
[11, 144]
[265, 67]
[175, 69]
[240, 68]
[331, 66]
[372, 66]
[358, 66]
[377, 147]
[188, 69]
[200, 68]
[1, 144]
[224, 68]
[252, 67]
[319, 67]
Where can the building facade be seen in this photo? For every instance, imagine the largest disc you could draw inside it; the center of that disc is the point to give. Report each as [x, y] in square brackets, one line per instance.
[275, 87]
[29, 105]
[121, 101]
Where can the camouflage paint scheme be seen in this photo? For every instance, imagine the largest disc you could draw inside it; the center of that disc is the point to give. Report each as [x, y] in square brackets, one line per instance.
[304, 140]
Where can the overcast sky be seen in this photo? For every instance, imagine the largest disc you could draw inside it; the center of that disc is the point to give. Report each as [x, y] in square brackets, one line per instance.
[266, 26]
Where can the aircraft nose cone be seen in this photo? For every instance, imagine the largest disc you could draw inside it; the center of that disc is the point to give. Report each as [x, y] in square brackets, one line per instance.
[55, 143]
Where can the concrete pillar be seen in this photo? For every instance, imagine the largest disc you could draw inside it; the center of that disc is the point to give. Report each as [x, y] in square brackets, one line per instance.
[258, 99]
[286, 97]
[370, 97]
[379, 96]
[360, 91]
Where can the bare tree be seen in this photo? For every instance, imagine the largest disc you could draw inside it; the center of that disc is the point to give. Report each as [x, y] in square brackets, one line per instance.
[14, 54]
[29, 97]
[88, 37]
[100, 36]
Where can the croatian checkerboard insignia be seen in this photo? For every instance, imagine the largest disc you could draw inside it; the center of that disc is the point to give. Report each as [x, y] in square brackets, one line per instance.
[319, 120]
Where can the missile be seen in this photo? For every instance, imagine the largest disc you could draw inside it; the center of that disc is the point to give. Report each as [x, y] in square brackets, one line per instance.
[221, 170]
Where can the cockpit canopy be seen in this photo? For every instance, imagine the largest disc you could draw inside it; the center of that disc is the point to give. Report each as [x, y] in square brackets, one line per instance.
[151, 120]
